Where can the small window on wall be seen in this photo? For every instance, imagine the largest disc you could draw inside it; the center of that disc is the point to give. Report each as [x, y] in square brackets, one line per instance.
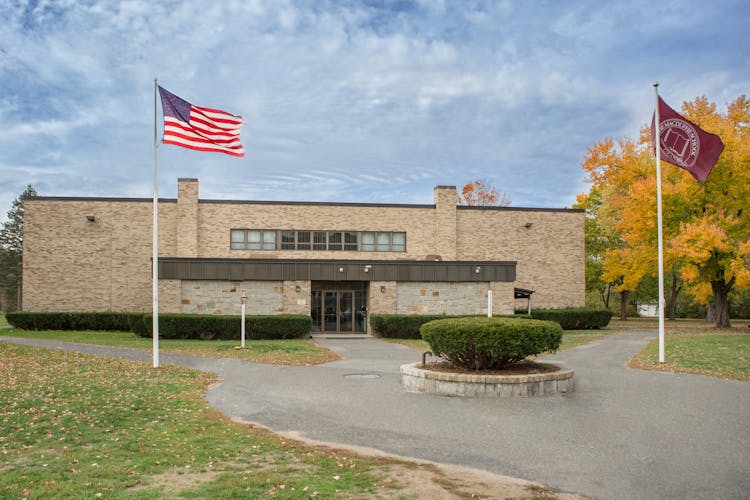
[350, 241]
[398, 242]
[383, 242]
[237, 239]
[253, 239]
[368, 242]
[303, 240]
[287, 240]
[334, 241]
[319, 240]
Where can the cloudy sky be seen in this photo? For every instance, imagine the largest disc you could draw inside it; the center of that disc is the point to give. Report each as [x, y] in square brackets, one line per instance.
[367, 101]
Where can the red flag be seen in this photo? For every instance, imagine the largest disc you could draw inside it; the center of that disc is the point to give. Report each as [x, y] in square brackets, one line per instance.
[202, 129]
[684, 144]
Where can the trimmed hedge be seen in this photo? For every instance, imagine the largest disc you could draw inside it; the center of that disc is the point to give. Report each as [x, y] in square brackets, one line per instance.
[107, 321]
[401, 326]
[406, 326]
[171, 326]
[490, 343]
[197, 326]
[575, 319]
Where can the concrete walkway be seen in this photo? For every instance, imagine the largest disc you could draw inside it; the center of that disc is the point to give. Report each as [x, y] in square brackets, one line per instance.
[622, 434]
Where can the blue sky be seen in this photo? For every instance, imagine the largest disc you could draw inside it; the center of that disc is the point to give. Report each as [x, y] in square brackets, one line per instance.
[366, 101]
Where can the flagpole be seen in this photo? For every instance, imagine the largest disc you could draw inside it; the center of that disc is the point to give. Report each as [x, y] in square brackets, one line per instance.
[155, 259]
[660, 239]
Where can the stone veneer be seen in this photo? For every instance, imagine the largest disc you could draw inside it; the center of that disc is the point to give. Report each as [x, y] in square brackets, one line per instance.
[223, 297]
[480, 385]
[441, 298]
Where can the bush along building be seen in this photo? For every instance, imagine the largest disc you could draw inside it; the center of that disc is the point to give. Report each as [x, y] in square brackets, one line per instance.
[337, 262]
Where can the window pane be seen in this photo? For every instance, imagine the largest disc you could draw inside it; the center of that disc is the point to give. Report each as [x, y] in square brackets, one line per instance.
[399, 242]
[237, 246]
[350, 241]
[319, 240]
[334, 241]
[384, 242]
[269, 240]
[287, 240]
[368, 242]
[238, 236]
[303, 240]
[253, 236]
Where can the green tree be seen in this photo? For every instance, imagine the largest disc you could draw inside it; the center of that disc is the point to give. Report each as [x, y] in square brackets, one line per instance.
[11, 250]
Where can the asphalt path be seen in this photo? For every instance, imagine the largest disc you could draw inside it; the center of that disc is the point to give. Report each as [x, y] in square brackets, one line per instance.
[621, 434]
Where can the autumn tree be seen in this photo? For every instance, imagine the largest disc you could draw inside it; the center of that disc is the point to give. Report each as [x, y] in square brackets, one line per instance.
[480, 193]
[11, 249]
[705, 227]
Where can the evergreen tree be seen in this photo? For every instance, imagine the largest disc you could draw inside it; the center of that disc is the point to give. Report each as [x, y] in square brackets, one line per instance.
[11, 251]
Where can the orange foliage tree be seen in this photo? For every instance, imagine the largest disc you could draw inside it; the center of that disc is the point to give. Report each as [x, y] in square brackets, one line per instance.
[480, 193]
[706, 227]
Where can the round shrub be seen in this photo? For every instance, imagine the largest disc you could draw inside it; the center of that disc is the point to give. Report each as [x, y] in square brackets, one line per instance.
[490, 343]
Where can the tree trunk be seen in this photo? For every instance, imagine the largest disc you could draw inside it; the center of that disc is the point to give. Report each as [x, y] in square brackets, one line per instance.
[711, 313]
[624, 304]
[674, 291]
[721, 302]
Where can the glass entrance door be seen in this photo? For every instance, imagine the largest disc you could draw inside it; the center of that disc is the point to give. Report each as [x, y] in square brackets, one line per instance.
[341, 311]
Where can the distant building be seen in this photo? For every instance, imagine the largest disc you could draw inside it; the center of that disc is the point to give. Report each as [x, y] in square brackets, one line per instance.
[338, 262]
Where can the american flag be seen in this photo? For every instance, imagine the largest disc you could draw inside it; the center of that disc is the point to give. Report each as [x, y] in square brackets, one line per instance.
[202, 129]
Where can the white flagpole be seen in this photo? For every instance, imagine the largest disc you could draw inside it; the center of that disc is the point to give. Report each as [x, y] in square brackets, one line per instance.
[660, 243]
[155, 260]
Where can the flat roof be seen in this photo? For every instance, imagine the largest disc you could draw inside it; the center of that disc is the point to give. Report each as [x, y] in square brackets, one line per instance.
[301, 203]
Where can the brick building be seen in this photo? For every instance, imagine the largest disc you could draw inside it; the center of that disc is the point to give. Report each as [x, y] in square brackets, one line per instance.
[337, 262]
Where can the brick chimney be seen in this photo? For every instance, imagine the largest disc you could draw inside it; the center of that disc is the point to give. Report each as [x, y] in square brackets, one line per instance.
[187, 217]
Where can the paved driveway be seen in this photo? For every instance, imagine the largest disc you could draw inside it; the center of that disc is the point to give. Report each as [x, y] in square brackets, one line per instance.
[621, 434]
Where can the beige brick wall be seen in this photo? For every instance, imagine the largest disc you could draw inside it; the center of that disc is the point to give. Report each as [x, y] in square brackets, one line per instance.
[73, 264]
[549, 254]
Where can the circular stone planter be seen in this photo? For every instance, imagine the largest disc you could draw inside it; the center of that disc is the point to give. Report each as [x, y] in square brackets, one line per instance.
[486, 386]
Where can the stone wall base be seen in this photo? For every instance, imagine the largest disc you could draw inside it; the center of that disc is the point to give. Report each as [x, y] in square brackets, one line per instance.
[492, 386]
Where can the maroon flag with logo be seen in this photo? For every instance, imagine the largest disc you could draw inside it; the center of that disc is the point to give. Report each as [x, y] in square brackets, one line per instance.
[684, 144]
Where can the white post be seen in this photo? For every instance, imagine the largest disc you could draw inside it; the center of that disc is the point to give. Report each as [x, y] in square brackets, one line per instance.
[155, 260]
[242, 329]
[243, 298]
[489, 303]
[660, 241]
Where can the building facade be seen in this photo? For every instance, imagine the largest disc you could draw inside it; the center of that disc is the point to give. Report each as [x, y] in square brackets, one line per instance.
[337, 262]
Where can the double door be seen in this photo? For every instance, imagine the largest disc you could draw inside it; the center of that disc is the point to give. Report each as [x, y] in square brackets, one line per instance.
[339, 311]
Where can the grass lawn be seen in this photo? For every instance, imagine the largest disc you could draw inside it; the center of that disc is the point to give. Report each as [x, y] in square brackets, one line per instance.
[290, 351]
[723, 355]
[680, 325]
[73, 426]
[80, 426]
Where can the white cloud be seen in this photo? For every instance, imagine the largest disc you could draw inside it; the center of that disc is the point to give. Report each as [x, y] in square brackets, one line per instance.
[348, 100]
